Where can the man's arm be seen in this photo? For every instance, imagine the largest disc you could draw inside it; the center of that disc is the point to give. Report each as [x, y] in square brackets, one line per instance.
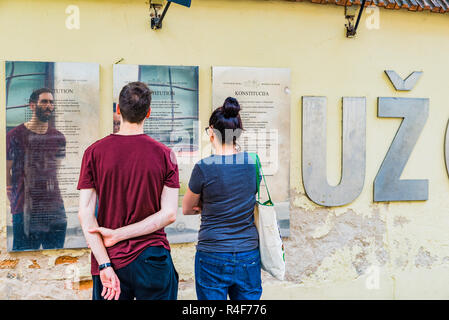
[191, 203]
[86, 214]
[154, 222]
[61, 153]
[9, 179]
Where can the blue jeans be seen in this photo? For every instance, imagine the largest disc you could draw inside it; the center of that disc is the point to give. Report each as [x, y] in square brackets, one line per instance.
[50, 233]
[219, 274]
[20, 240]
[151, 276]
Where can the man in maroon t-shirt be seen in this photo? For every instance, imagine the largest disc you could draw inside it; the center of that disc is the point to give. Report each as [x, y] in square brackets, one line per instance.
[34, 150]
[136, 182]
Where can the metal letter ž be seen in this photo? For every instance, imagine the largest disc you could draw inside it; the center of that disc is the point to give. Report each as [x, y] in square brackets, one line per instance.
[387, 185]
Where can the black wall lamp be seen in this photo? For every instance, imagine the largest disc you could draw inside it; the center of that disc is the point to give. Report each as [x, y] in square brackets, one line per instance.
[156, 5]
[350, 12]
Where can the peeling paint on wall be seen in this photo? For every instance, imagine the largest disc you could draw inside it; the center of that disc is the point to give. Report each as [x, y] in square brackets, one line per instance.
[319, 235]
[425, 259]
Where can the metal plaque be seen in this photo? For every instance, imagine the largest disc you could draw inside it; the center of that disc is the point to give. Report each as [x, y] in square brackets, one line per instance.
[52, 112]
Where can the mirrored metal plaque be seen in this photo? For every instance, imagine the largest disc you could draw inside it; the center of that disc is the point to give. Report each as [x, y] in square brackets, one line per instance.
[51, 117]
[173, 122]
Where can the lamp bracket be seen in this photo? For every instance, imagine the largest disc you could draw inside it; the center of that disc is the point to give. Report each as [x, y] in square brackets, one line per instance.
[156, 17]
[350, 13]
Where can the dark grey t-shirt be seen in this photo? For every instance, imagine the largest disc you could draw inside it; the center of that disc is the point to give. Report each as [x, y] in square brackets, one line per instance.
[227, 185]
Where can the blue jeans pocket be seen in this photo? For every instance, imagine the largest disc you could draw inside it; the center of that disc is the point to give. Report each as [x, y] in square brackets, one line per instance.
[157, 271]
[210, 272]
[253, 274]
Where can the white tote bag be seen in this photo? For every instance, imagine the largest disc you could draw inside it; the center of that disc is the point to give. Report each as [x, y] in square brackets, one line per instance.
[270, 241]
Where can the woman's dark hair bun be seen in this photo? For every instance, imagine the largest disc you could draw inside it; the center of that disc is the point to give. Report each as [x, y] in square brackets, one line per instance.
[231, 108]
[227, 117]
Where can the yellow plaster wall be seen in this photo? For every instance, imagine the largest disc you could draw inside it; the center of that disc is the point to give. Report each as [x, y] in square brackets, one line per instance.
[331, 250]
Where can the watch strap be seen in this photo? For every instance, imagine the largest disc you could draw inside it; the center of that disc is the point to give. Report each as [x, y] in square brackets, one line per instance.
[104, 265]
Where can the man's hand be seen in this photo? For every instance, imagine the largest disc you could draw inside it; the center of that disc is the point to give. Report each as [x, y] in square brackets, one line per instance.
[86, 214]
[108, 235]
[9, 193]
[111, 284]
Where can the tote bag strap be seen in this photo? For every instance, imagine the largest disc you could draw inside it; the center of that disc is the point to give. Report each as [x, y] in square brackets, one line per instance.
[259, 173]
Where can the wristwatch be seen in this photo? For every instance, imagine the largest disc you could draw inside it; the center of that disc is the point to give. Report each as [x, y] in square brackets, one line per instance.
[104, 265]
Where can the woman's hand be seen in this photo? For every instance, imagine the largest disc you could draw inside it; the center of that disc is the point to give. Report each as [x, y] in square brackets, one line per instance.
[198, 208]
[109, 235]
[191, 203]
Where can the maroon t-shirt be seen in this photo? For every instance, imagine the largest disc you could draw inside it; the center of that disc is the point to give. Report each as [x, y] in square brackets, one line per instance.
[128, 174]
[34, 169]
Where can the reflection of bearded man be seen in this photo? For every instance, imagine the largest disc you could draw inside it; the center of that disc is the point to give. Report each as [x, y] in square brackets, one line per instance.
[44, 108]
[116, 123]
[116, 119]
[34, 151]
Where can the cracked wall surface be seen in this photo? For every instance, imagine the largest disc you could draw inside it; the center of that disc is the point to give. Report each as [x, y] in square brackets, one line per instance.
[363, 250]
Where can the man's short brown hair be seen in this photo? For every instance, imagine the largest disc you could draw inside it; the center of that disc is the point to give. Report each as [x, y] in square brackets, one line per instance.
[134, 101]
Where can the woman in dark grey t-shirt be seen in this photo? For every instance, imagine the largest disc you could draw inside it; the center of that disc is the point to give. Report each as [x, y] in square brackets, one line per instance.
[222, 189]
